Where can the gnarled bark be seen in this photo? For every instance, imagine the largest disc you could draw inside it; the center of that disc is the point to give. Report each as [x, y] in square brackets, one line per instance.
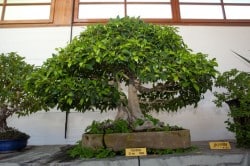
[3, 125]
[132, 111]
[5, 112]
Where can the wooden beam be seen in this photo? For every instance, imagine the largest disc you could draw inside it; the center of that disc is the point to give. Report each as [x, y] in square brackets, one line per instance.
[62, 12]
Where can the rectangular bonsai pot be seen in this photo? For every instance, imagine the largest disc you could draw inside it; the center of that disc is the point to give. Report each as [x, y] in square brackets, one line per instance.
[153, 140]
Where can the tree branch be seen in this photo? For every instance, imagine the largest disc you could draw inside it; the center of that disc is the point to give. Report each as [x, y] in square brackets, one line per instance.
[160, 87]
[157, 101]
[6, 112]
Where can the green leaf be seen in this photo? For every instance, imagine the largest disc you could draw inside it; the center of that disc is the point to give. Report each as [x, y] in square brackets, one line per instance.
[176, 78]
[81, 101]
[69, 101]
[98, 59]
[136, 58]
[71, 94]
[89, 66]
[196, 87]
[126, 52]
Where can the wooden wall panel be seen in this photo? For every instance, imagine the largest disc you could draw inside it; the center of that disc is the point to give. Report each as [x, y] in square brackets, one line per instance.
[62, 14]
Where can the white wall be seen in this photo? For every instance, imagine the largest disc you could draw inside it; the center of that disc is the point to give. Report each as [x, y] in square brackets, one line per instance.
[206, 122]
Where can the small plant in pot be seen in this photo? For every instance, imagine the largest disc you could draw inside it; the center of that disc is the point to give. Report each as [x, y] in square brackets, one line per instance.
[237, 95]
[127, 65]
[13, 99]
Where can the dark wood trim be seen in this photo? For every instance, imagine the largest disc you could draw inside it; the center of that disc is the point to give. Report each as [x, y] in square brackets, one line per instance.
[3, 10]
[52, 11]
[223, 9]
[214, 3]
[35, 21]
[76, 12]
[125, 8]
[91, 22]
[175, 6]
[62, 12]
[26, 4]
[61, 15]
[198, 22]
[26, 21]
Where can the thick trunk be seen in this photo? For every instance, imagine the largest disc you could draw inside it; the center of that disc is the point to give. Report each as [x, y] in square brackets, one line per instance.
[4, 114]
[132, 112]
[133, 103]
[3, 125]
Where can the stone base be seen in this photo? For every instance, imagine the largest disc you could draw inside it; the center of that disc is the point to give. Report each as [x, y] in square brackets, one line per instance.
[153, 140]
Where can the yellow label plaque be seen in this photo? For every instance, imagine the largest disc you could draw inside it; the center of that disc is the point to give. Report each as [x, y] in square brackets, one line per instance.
[219, 145]
[136, 151]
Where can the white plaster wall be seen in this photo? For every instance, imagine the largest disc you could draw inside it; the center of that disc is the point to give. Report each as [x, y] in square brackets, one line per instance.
[35, 44]
[218, 42]
[206, 122]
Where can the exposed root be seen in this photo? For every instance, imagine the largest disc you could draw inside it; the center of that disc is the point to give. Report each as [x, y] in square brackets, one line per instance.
[148, 125]
[132, 112]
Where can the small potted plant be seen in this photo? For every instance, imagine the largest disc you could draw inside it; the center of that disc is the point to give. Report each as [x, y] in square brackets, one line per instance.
[237, 95]
[13, 99]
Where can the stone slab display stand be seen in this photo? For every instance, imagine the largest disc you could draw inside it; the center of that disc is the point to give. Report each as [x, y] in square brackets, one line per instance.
[153, 140]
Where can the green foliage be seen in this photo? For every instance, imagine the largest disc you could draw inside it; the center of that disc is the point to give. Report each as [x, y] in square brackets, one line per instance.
[12, 133]
[123, 126]
[152, 119]
[237, 96]
[164, 127]
[86, 73]
[119, 126]
[155, 122]
[140, 122]
[108, 126]
[14, 98]
[236, 83]
[83, 152]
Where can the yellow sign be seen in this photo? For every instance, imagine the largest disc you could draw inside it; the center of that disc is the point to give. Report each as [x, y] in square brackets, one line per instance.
[136, 151]
[219, 145]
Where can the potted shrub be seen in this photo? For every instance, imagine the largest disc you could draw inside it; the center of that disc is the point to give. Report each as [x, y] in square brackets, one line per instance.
[237, 95]
[128, 65]
[13, 99]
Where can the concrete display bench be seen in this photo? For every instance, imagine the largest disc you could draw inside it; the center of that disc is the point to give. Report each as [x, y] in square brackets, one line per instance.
[56, 155]
[153, 140]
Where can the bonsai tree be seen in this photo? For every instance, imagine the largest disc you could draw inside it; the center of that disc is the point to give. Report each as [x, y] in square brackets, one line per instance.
[13, 97]
[236, 94]
[128, 65]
